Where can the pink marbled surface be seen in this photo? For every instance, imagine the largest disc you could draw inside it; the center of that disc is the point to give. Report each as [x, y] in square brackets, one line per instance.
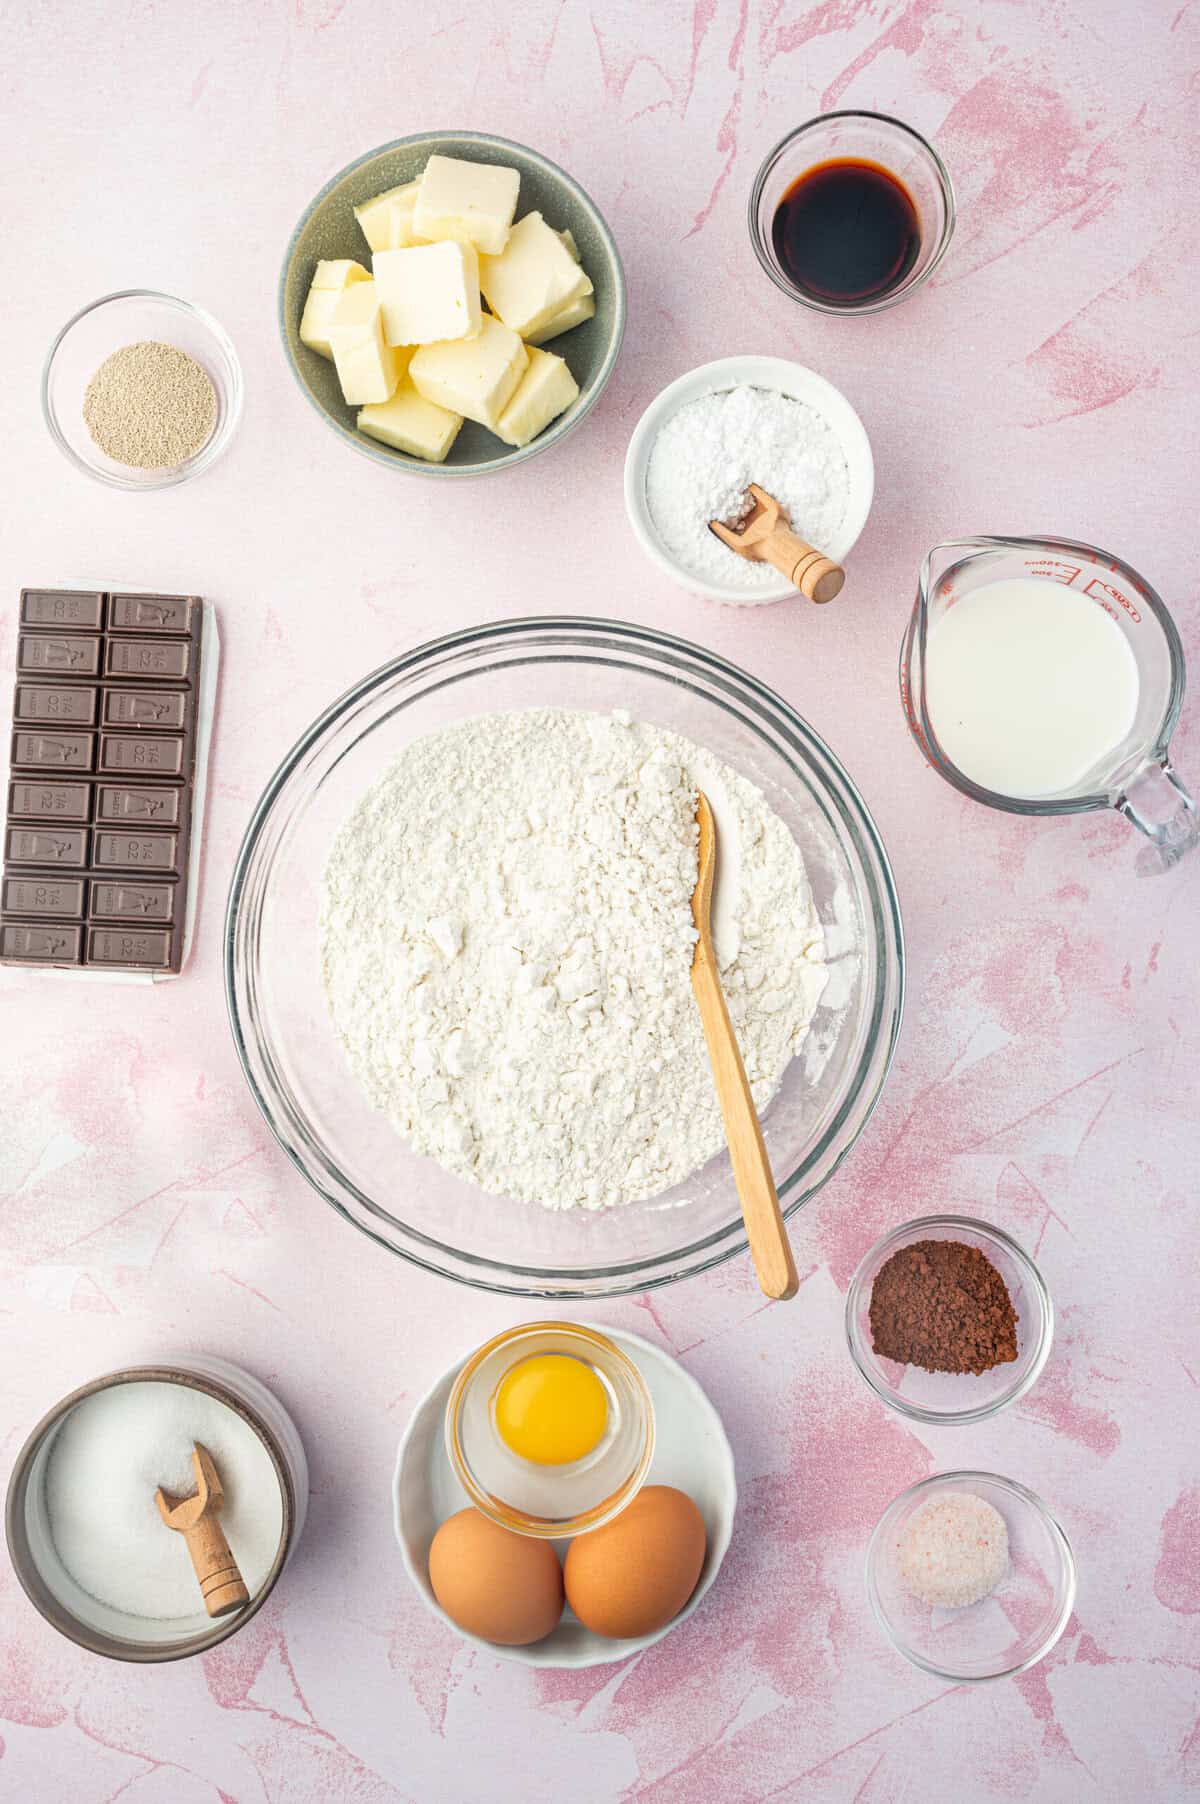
[1046, 1077]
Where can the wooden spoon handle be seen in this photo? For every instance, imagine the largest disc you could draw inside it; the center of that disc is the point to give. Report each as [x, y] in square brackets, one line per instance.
[221, 1584]
[765, 1227]
[814, 574]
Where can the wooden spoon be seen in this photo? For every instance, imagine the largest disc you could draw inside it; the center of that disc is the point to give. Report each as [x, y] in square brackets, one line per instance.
[766, 533]
[197, 1520]
[761, 1213]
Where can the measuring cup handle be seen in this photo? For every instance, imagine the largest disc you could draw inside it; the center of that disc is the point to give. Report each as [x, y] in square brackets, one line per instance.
[1172, 834]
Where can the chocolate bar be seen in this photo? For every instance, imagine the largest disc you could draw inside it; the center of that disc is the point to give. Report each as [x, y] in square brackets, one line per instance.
[98, 831]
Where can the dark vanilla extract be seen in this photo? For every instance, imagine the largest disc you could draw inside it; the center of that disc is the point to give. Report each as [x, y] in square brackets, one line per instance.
[846, 232]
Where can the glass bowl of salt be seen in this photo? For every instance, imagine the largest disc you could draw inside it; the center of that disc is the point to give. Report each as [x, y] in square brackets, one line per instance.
[970, 1576]
[84, 1531]
[141, 390]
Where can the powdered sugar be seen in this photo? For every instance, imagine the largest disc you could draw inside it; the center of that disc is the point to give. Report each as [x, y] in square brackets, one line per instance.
[507, 938]
[704, 459]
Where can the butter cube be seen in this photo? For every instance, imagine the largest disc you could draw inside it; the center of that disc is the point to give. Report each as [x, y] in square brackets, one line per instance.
[411, 423]
[319, 309]
[533, 279]
[387, 221]
[471, 202]
[367, 367]
[472, 376]
[329, 281]
[574, 315]
[428, 292]
[338, 273]
[545, 390]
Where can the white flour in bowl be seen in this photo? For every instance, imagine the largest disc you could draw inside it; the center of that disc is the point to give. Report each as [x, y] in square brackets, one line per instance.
[506, 945]
[704, 459]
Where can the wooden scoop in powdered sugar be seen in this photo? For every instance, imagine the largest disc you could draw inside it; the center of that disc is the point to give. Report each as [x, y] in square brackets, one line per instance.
[764, 533]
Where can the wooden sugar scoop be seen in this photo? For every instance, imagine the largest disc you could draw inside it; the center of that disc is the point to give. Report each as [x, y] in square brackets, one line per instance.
[765, 534]
[197, 1520]
[765, 1227]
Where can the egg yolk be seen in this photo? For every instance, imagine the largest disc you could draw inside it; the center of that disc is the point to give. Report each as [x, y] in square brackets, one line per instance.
[551, 1409]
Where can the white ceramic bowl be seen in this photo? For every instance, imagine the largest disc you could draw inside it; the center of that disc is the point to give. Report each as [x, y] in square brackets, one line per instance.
[691, 1452]
[784, 378]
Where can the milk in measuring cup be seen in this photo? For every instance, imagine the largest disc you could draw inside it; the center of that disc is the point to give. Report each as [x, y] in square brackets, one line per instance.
[1028, 685]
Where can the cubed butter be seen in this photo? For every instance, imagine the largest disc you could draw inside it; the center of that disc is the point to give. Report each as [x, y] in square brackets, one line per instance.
[534, 278]
[568, 238]
[367, 367]
[329, 280]
[574, 315]
[409, 422]
[472, 376]
[545, 390]
[428, 292]
[338, 273]
[387, 221]
[471, 202]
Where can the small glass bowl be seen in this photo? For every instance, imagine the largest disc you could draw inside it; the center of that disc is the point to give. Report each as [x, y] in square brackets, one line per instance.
[950, 1397]
[1005, 1633]
[549, 1501]
[107, 325]
[871, 138]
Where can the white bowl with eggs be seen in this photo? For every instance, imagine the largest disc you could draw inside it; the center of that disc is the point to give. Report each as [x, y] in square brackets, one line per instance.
[776, 375]
[691, 1453]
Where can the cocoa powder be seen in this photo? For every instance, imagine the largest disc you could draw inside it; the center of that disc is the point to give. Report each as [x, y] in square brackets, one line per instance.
[942, 1305]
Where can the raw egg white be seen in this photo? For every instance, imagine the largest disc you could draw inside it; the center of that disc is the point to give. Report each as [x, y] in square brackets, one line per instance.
[501, 1586]
[637, 1572]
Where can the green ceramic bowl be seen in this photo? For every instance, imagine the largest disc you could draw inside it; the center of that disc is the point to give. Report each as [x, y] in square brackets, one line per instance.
[328, 228]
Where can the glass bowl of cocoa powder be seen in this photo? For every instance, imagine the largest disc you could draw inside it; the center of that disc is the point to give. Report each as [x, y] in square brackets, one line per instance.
[948, 1319]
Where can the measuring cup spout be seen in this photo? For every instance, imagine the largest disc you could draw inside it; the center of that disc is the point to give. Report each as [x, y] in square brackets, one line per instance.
[1171, 834]
[947, 556]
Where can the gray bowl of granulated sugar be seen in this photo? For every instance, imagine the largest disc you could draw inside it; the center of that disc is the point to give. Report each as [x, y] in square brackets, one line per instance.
[328, 229]
[712, 432]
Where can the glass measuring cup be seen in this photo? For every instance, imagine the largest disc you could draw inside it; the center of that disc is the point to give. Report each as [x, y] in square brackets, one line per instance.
[1136, 776]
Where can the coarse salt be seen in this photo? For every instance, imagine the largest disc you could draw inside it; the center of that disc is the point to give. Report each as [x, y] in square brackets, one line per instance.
[953, 1551]
[704, 459]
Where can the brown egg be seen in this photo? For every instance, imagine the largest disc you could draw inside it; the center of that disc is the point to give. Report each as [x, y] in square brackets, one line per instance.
[637, 1572]
[493, 1583]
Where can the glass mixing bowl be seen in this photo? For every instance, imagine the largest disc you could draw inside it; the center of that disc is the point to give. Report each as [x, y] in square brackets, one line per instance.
[294, 1062]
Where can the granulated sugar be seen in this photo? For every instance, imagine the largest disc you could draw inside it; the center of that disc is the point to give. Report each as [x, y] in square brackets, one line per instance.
[150, 406]
[110, 1456]
[953, 1551]
[507, 943]
[706, 456]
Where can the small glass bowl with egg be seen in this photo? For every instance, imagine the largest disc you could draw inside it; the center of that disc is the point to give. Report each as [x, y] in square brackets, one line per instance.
[550, 1429]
